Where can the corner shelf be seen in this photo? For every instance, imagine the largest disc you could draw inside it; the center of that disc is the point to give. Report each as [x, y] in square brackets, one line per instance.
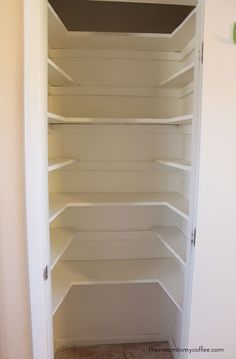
[165, 272]
[57, 119]
[180, 78]
[60, 240]
[56, 163]
[173, 200]
[179, 164]
[57, 76]
[174, 240]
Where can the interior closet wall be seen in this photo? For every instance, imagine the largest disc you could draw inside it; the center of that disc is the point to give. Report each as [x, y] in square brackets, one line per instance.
[124, 112]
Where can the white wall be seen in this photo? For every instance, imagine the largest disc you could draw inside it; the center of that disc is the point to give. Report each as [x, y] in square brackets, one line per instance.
[14, 317]
[213, 315]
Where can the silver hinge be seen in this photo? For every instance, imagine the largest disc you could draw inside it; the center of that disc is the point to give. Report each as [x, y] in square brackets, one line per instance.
[45, 273]
[193, 238]
[202, 53]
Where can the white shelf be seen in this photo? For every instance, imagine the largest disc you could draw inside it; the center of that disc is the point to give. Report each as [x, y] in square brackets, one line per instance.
[57, 76]
[60, 239]
[166, 272]
[180, 78]
[180, 120]
[174, 240]
[53, 118]
[56, 163]
[57, 119]
[173, 200]
[180, 164]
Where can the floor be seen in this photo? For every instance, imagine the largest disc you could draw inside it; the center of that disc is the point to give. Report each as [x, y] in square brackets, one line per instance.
[118, 351]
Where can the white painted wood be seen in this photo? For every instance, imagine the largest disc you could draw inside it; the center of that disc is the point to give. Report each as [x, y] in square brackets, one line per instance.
[174, 240]
[100, 177]
[188, 50]
[118, 85]
[162, 271]
[53, 118]
[57, 119]
[56, 163]
[36, 187]
[180, 78]
[118, 218]
[123, 91]
[163, 108]
[117, 104]
[131, 72]
[174, 201]
[180, 164]
[60, 238]
[115, 90]
[116, 306]
[57, 76]
[111, 54]
[115, 245]
[192, 101]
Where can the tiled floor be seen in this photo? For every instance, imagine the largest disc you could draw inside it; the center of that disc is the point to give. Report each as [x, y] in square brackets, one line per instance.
[118, 351]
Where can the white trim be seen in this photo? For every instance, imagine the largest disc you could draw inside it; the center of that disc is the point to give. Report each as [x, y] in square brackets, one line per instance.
[35, 107]
[196, 129]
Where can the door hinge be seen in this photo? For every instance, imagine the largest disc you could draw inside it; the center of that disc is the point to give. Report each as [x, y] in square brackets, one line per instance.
[45, 274]
[202, 53]
[193, 238]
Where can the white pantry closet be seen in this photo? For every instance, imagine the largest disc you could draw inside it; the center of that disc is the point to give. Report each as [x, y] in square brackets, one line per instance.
[122, 146]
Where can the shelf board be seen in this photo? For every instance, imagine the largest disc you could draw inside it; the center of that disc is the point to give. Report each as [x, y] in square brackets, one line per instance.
[57, 119]
[180, 164]
[56, 163]
[180, 78]
[173, 200]
[57, 76]
[53, 118]
[60, 239]
[166, 272]
[180, 120]
[174, 240]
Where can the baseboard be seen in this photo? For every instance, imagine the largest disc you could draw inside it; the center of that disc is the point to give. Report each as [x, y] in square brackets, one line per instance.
[156, 337]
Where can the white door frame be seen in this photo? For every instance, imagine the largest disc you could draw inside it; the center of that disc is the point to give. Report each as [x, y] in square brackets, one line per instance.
[36, 177]
[35, 122]
[196, 130]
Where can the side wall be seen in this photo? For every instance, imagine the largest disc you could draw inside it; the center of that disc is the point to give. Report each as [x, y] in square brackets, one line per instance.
[213, 314]
[15, 336]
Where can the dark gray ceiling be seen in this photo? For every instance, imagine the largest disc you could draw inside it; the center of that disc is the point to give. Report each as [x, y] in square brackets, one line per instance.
[103, 16]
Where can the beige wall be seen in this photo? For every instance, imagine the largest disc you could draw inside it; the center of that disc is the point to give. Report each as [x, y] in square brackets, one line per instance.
[14, 318]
